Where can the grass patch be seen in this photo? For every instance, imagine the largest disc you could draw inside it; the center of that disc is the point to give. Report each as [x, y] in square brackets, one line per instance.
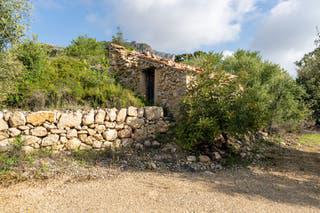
[310, 139]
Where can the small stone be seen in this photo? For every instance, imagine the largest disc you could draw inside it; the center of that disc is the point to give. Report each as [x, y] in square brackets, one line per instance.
[152, 165]
[88, 118]
[126, 142]
[5, 145]
[204, 159]
[3, 125]
[39, 131]
[125, 133]
[85, 147]
[100, 128]
[217, 156]
[191, 158]
[72, 133]
[119, 126]
[112, 114]
[91, 132]
[134, 122]
[50, 140]
[132, 111]
[110, 134]
[4, 135]
[63, 140]
[27, 149]
[70, 120]
[30, 140]
[153, 113]
[156, 144]
[169, 148]
[122, 115]
[23, 128]
[14, 132]
[17, 119]
[147, 143]
[97, 144]
[111, 125]
[73, 144]
[107, 144]
[138, 146]
[100, 116]
[58, 131]
[140, 112]
[243, 154]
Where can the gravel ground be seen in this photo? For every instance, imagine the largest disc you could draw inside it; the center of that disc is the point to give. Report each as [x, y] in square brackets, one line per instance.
[291, 183]
[244, 190]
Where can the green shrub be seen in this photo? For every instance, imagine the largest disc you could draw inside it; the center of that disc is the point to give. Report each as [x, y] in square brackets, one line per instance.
[237, 95]
[77, 77]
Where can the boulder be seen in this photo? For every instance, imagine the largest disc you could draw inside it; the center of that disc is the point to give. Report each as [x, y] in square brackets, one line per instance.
[100, 116]
[17, 119]
[110, 135]
[132, 111]
[122, 115]
[70, 120]
[135, 122]
[112, 114]
[39, 131]
[88, 118]
[50, 140]
[3, 125]
[97, 144]
[38, 118]
[125, 133]
[153, 113]
[73, 144]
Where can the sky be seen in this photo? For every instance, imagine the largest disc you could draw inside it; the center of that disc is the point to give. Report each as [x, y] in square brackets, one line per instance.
[281, 30]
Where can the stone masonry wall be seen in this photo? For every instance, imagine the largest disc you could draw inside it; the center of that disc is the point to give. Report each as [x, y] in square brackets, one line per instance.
[80, 130]
[171, 79]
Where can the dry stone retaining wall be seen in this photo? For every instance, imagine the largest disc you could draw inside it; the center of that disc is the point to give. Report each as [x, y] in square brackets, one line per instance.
[80, 130]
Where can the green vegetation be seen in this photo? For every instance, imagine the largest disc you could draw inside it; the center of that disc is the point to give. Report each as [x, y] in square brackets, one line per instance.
[75, 76]
[309, 78]
[236, 95]
[14, 14]
[310, 139]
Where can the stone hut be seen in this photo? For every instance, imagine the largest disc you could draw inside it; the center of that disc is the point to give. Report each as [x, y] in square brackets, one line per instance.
[160, 81]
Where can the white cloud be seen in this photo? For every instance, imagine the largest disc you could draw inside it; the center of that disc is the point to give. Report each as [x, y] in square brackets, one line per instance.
[180, 25]
[288, 32]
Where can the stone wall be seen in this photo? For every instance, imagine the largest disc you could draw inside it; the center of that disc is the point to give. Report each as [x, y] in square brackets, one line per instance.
[84, 130]
[171, 79]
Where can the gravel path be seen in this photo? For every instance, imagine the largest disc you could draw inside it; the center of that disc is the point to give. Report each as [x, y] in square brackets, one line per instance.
[290, 184]
[245, 190]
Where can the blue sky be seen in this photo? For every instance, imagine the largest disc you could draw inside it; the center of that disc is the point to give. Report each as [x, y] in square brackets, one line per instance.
[282, 30]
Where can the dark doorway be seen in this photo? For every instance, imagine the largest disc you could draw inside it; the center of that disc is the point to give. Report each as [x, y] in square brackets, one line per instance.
[149, 74]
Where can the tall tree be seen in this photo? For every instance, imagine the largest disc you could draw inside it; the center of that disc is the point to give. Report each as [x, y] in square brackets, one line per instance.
[13, 21]
[309, 78]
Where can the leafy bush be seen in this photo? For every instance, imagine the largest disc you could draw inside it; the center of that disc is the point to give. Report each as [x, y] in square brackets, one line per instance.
[309, 79]
[76, 76]
[237, 95]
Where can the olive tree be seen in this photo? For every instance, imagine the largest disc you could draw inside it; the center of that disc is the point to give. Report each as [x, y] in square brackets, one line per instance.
[13, 21]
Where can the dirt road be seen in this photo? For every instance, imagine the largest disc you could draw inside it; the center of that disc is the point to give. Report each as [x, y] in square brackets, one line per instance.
[229, 191]
[290, 184]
